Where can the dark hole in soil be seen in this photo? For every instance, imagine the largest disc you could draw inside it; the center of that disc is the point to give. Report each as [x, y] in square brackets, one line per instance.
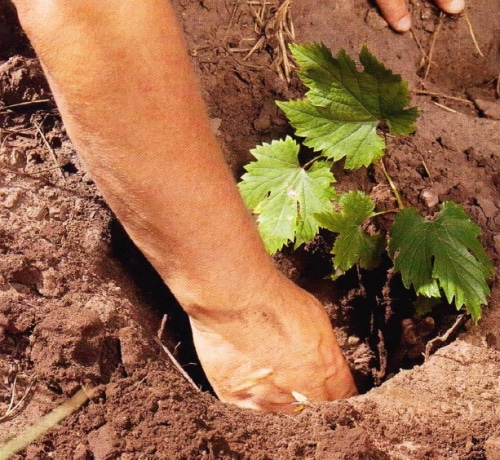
[70, 168]
[158, 296]
[370, 305]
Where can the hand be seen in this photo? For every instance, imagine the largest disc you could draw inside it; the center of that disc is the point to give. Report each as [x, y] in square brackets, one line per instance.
[256, 359]
[396, 12]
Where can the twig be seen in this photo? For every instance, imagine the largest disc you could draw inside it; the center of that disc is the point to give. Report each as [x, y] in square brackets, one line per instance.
[19, 132]
[471, 31]
[426, 169]
[444, 96]
[444, 107]
[49, 148]
[433, 43]
[256, 47]
[171, 356]
[24, 104]
[443, 338]
[272, 26]
[47, 422]
[231, 21]
[285, 34]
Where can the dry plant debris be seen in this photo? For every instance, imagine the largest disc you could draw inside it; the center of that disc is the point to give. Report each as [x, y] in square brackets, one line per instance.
[274, 30]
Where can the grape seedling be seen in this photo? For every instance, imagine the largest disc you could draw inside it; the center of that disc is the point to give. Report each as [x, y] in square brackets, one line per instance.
[339, 119]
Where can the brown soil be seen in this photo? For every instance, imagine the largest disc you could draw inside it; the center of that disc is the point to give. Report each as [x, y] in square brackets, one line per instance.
[80, 306]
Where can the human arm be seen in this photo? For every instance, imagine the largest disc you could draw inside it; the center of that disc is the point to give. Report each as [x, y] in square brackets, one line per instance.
[124, 85]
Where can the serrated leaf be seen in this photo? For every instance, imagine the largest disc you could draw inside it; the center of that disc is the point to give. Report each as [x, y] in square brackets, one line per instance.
[353, 245]
[344, 106]
[357, 141]
[444, 253]
[284, 194]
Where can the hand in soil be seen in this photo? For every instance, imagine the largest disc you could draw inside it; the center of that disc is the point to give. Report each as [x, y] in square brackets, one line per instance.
[396, 12]
[160, 169]
[259, 358]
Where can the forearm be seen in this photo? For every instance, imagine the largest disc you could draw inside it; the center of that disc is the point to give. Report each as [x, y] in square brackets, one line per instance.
[107, 80]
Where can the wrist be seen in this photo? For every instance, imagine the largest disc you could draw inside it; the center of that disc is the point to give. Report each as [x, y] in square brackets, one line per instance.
[228, 297]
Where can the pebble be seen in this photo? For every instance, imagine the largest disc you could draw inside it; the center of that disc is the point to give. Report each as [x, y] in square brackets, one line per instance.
[353, 340]
[430, 198]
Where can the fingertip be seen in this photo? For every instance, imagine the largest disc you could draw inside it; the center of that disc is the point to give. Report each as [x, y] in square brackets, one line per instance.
[396, 14]
[403, 25]
[451, 6]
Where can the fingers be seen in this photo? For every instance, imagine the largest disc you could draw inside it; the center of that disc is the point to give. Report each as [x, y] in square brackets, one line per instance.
[396, 12]
[451, 6]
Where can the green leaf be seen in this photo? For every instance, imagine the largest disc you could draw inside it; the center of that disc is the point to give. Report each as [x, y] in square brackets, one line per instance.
[284, 194]
[424, 305]
[353, 245]
[344, 106]
[442, 254]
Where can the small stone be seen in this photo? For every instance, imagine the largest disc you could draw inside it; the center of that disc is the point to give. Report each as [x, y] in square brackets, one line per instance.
[430, 198]
[353, 340]
[50, 283]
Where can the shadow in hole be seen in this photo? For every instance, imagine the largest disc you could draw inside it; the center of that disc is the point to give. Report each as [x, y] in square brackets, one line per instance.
[158, 296]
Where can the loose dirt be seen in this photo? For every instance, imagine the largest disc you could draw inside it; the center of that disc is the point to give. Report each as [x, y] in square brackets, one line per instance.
[80, 307]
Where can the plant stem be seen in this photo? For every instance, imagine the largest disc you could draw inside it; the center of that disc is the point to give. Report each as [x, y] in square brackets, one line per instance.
[387, 211]
[310, 162]
[392, 185]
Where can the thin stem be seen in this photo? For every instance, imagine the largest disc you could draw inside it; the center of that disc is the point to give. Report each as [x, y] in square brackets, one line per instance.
[311, 162]
[387, 211]
[392, 185]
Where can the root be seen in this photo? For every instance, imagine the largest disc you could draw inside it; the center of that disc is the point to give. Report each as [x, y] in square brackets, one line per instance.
[442, 340]
[158, 339]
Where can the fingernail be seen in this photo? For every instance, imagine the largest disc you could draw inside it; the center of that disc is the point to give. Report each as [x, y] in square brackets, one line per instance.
[455, 6]
[404, 24]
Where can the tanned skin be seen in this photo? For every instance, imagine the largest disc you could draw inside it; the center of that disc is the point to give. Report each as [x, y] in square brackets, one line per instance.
[125, 88]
